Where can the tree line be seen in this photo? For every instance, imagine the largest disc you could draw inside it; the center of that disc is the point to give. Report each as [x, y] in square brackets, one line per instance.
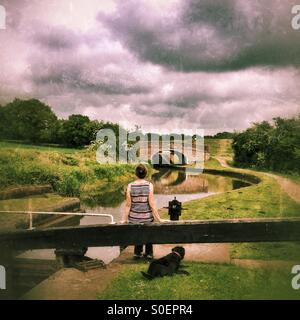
[221, 135]
[272, 146]
[34, 121]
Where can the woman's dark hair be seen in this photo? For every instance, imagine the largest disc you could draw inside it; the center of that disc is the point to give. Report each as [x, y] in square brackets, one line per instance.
[141, 171]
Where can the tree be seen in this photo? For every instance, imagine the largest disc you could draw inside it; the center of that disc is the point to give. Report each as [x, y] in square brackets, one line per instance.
[224, 135]
[270, 146]
[76, 131]
[30, 120]
[250, 146]
[285, 145]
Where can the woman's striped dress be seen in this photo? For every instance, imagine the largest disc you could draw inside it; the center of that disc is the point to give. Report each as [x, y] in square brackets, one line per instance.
[140, 210]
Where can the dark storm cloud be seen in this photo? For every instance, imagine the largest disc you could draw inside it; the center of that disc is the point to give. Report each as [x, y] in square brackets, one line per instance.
[209, 35]
[191, 100]
[56, 38]
[82, 77]
[68, 61]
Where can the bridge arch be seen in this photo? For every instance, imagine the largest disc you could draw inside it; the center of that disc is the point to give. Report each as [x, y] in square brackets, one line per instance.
[169, 157]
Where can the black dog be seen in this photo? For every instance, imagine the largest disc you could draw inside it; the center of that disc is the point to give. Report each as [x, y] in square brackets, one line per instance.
[166, 266]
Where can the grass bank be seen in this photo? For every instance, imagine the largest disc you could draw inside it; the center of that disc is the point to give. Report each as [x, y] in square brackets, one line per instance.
[206, 281]
[71, 172]
[220, 148]
[40, 147]
[263, 200]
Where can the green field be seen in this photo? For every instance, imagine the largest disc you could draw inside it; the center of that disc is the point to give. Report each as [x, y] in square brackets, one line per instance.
[19, 145]
[71, 172]
[206, 281]
[286, 251]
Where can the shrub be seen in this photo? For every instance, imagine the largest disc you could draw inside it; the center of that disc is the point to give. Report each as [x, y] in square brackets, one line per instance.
[270, 146]
[69, 186]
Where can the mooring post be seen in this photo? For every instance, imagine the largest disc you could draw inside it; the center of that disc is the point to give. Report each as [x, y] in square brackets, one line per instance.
[67, 257]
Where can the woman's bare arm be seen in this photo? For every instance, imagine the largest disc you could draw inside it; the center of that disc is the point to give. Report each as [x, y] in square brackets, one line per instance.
[152, 204]
[127, 205]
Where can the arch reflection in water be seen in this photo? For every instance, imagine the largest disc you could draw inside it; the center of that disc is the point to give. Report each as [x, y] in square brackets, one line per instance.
[172, 181]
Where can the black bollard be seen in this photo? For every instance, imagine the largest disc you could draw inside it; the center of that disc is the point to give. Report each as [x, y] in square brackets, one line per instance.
[175, 208]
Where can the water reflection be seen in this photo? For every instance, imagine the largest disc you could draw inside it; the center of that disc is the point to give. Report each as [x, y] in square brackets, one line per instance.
[238, 184]
[185, 185]
[166, 182]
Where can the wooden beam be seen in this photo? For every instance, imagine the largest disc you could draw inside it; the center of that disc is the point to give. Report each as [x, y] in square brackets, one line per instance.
[208, 231]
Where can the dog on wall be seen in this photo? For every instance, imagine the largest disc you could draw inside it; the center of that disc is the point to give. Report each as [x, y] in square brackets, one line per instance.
[167, 265]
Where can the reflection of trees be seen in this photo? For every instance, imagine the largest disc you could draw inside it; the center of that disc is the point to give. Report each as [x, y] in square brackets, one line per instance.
[168, 181]
[237, 184]
[105, 198]
[172, 181]
[170, 177]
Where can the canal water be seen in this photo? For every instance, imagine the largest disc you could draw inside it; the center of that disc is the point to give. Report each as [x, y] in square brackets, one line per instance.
[185, 185]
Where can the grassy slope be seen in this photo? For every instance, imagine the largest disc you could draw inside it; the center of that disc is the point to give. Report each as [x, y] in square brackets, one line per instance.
[220, 147]
[205, 282]
[263, 200]
[71, 172]
[18, 145]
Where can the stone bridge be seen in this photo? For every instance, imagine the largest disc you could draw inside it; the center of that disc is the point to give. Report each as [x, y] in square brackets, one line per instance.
[171, 154]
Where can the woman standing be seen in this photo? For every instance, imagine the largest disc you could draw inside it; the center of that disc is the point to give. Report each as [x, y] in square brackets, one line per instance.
[140, 207]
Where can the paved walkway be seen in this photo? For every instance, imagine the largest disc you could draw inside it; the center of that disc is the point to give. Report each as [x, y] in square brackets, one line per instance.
[208, 252]
[72, 284]
[223, 162]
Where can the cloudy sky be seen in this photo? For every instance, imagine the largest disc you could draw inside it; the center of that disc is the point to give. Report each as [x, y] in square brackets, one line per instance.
[162, 64]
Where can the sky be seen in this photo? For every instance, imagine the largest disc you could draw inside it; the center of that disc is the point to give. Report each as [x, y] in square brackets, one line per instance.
[165, 65]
